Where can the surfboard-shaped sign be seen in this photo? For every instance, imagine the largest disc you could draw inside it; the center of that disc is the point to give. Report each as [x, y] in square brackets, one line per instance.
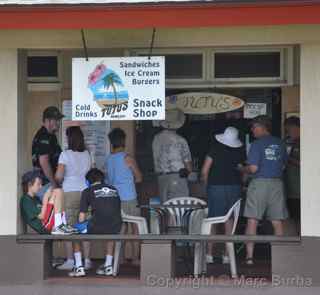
[203, 103]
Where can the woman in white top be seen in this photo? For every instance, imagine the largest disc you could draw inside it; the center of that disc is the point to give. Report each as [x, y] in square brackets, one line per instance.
[73, 165]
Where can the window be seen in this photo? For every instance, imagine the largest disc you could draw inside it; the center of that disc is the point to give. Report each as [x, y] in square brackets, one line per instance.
[43, 67]
[252, 66]
[247, 64]
[184, 66]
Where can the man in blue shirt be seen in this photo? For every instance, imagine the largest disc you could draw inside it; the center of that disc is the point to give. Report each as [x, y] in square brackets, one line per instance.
[265, 197]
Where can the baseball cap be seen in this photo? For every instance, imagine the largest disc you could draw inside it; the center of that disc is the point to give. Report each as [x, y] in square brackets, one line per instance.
[52, 112]
[31, 176]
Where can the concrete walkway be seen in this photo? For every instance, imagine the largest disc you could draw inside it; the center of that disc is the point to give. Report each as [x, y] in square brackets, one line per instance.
[133, 287]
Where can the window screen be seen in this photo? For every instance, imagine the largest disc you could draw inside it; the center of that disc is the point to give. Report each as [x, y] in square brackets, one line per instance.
[42, 66]
[247, 64]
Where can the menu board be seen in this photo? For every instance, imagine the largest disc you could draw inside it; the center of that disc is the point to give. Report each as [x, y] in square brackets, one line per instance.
[95, 135]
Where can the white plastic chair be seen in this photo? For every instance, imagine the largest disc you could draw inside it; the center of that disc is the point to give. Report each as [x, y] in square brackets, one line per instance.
[155, 216]
[142, 229]
[199, 255]
[177, 215]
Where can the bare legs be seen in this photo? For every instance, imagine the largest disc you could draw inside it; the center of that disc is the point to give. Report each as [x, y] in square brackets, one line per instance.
[109, 248]
[54, 197]
[252, 230]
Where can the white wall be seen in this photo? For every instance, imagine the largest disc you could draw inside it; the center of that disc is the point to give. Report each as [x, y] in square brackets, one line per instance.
[9, 145]
[310, 139]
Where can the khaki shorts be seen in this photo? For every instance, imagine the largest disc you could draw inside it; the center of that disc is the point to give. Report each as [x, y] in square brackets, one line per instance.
[72, 206]
[172, 186]
[265, 198]
[130, 207]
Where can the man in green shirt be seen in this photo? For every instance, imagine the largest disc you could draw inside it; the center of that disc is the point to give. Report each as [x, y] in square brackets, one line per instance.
[47, 217]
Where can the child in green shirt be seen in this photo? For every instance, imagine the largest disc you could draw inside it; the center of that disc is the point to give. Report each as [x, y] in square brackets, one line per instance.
[46, 217]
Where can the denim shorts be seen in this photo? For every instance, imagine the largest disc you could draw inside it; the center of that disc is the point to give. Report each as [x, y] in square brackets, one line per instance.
[221, 198]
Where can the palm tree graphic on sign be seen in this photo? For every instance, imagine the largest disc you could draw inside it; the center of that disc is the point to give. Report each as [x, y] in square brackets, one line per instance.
[111, 80]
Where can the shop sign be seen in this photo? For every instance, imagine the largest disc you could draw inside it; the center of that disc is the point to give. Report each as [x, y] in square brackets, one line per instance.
[252, 110]
[203, 103]
[124, 88]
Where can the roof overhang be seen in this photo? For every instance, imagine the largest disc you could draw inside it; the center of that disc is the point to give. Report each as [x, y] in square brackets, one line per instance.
[160, 14]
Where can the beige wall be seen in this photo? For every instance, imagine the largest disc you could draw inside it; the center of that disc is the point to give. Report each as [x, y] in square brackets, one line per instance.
[9, 138]
[310, 139]
[171, 37]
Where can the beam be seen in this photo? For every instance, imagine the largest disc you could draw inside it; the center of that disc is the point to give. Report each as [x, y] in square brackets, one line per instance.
[161, 16]
[151, 237]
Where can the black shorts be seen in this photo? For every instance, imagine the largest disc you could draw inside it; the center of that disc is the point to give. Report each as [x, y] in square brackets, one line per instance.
[104, 229]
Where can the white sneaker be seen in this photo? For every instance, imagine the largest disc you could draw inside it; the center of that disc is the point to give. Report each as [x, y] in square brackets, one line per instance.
[87, 264]
[105, 270]
[70, 229]
[67, 265]
[209, 259]
[61, 230]
[225, 259]
[77, 272]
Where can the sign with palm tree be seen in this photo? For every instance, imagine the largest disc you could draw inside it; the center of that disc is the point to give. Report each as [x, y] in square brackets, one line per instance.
[107, 86]
[111, 80]
[118, 88]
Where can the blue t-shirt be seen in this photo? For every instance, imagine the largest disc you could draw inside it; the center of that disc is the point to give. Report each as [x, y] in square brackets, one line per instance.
[119, 175]
[270, 155]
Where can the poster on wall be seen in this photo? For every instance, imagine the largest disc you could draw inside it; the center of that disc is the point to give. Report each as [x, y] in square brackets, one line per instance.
[252, 110]
[124, 88]
[95, 135]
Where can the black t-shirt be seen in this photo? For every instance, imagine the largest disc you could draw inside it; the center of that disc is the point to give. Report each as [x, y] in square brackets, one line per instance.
[106, 209]
[224, 166]
[45, 143]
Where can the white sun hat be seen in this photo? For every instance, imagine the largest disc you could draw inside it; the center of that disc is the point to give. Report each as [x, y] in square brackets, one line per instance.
[174, 119]
[230, 137]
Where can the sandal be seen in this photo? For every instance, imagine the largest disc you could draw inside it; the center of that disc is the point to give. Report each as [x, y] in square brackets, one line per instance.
[249, 261]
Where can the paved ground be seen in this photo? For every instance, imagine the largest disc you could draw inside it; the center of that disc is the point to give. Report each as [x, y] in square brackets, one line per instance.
[131, 288]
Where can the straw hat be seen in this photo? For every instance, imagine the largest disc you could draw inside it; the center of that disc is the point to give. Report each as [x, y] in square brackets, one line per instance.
[230, 138]
[174, 119]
